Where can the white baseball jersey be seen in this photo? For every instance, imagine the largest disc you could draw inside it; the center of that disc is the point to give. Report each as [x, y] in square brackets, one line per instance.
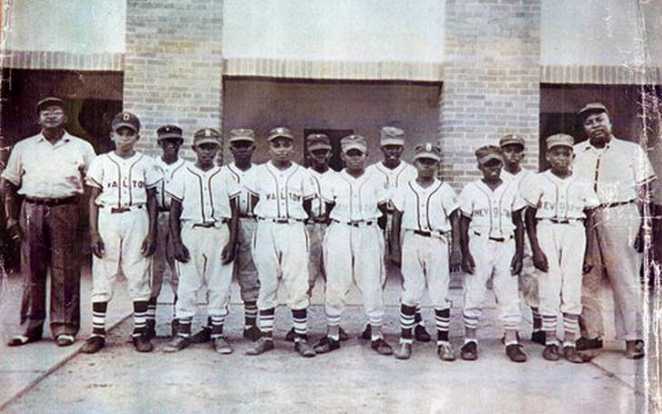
[167, 170]
[239, 176]
[281, 192]
[123, 181]
[205, 195]
[491, 211]
[319, 207]
[520, 178]
[354, 198]
[426, 209]
[393, 178]
[559, 198]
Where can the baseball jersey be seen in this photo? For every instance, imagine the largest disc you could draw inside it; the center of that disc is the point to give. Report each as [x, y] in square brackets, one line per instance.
[354, 198]
[615, 171]
[491, 210]
[319, 206]
[205, 195]
[123, 181]
[559, 198]
[426, 209]
[239, 176]
[393, 178]
[280, 192]
[167, 170]
[520, 178]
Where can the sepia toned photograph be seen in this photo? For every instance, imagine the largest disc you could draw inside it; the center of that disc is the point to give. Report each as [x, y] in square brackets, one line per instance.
[315, 206]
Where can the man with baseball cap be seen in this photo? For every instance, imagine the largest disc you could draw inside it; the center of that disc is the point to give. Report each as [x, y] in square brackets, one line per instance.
[621, 174]
[43, 184]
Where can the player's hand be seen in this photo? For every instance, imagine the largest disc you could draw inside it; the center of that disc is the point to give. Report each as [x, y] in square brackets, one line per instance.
[149, 246]
[14, 230]
[227, 255]
[468, 264]
[96, 244]
[588, 264]
[639, 241]
[181, 252]
[516, 264]
[540, 260]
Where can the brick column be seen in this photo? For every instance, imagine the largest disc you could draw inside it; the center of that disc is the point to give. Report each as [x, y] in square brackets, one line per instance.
[491, 80]
[173, 65]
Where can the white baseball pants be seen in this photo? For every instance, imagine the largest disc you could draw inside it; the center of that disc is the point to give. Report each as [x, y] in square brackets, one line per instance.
[425, 263]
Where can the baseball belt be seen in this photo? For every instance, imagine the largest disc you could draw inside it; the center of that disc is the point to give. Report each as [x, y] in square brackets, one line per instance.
[616, 204]
[210, 224]
[281, 220]
[561, 221]
[50, 202]
[356, 223]
[496, 239]
[118, 210]
[437, 234]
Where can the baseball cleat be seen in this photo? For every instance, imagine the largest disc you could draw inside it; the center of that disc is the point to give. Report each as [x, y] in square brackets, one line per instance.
[381, 347]
[343, 335]
[404, 351]
[585, 344]
[20, 340]
[551, 352]
[222, 346]
[445, 351]
[142, 343]
[538, 337]
[290, 335]
[64, 340]
[261, 346]
[304, 349]
[326, 344]
[253, 333]
[177, 343]
[93, 344]
[634, 349]
[570, 353]
[367, 333]
[469, 351]
[202, 336]
[516, 353]
[421, 334]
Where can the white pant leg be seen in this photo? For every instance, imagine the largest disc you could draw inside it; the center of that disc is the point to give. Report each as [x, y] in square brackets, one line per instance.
[135, 266]
[549, 283]
[506, 285]
[267, 262]
[338, 268]
[105, 269]
[217, 276]
[292, 242]
[190, 273]
[573, 245]
[475, 284]
[437, 271]
[368, 269]
[413, 268]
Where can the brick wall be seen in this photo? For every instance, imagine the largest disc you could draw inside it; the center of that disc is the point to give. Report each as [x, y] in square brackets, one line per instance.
[491, 81]
[173, 65]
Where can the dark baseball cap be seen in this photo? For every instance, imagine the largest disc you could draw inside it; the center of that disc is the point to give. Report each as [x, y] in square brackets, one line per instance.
[317, 142]
[168, 132]
[512, 139]
[487, 153]
[207, 135]
[280, 132]
[591, 108]
[126, 119]
[49, 101]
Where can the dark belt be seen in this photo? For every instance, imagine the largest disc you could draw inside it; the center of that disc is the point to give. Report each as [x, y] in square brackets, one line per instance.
[50, 202]
[496, 239]
[247, 216]
[163, 209]
[561, 221]
[117, 210]
[356, 223]
[429, 233]
[616, 204]
[281, 220]
[210, 224]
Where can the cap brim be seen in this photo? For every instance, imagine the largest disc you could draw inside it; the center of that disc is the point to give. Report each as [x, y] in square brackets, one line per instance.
[559, 144]
[207, 140]
[125, 125]
[392, 141]
[273, 137]
[488, 157]
[428, 155]
[319, 147]
[511, 142]
[350, 147]
[170, 135]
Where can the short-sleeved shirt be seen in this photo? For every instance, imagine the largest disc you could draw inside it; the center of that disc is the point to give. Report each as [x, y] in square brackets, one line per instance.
[167, 170]
[44, 170]
[393, 178]
[319, 206]
[123, 181]
[426, 209]
[355, 199]
[490, 210]
[205, 195]
[520, 178]
[615, 171]
[239, 177]
[559, 198]
[281, 193]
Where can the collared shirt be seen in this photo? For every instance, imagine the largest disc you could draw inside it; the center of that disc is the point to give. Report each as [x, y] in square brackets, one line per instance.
[559, 198]
[393, 178]
[239, 177]
[491, 210]
[319, 206]
[280, 192]
[519, 178]
[167, 170]
[426, 209]
[44, 170]
[355, 198]
[205, 195]
[615, 171]
[123, 181]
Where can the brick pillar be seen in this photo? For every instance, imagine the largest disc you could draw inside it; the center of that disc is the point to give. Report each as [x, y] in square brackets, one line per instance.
[491, 82]
[173, 65]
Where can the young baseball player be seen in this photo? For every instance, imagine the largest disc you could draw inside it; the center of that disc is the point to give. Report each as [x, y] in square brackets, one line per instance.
[284, 191]
[354, 244]
[426, 209]
[123, 227]
[492, 244]
[558, 204]
[396, 173]
[513, 147]
[169, 138]
[203, 225]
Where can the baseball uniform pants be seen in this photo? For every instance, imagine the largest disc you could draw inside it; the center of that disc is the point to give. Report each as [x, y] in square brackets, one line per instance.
[204, 269]
[425, 263]
[164, 258]
[354, 255]
[316, 233]
[244, 268]
[492, 259]
[122, 235]
[528, 278]
[613, 254]
[280, 251]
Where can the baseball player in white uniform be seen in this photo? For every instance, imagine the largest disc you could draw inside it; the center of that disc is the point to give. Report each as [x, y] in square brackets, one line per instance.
[557, 221]
[284, 191]
[354, 244]
[203, 224]
[123, 226]
[620, 173]
[395, 173]
[169, 138]
[426, 209]
[513, 147]
[492, 244]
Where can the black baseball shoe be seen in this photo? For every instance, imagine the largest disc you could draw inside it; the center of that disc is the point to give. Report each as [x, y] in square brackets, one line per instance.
[253, 333]
[290, 335]
[367, 333]
[570, 353]
[303, 348]
[421, 334]
[404, 351]
[516, 353]
[202, 336]
[469, 351]
[142, 343]
[93, 344]
[551, 352]
[261, 346]
[177, 343]
[585, 344]
[326, 345]
[381, 347]
[538, 337]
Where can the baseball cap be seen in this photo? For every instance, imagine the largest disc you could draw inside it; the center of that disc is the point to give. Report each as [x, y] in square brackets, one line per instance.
[280, 132]
[591, 108]
[241, 134]
[207, 135]
[428, 150]
[49, 101]
[391, 136]
[487, 153]
[318, 141]
[511, 139]
[168, 132]
[126, 119]
[560, 140]
[354, 142]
